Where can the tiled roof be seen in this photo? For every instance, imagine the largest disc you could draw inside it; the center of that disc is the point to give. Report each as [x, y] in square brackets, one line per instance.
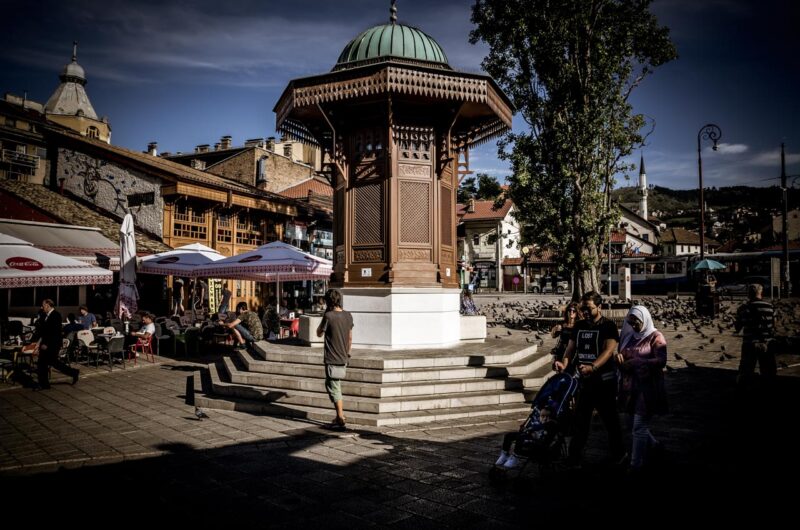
[178, 170]
[484, 210]
[315, 185]
[507, 262]
[793, 245]
[545, 256]
[70, 211]
[681, 236]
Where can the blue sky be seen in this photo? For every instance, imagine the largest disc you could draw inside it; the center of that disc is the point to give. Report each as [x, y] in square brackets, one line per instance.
[188, 72]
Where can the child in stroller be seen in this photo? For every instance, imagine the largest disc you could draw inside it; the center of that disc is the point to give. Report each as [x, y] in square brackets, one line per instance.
[541, 437]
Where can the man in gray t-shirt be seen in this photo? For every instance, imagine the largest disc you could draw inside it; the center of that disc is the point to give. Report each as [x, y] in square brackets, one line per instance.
[337, 326]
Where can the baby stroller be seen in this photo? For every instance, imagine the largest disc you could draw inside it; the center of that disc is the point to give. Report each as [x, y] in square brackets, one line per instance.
[542, 437]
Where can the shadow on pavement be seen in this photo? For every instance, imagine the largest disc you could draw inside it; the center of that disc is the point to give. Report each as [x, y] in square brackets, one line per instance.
[721, 463]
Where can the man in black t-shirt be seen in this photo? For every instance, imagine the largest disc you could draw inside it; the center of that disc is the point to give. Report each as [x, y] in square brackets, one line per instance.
[337, 327]
[592, 347]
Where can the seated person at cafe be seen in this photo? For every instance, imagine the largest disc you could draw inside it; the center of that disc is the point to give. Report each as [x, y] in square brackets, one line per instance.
[319, 305]
[72, 325]
[87, 319]
[284, 309]
[271, 322]
[246, 327]
[147, 330]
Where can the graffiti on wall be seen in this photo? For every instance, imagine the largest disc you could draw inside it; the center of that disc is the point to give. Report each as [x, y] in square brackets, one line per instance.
[115, 189]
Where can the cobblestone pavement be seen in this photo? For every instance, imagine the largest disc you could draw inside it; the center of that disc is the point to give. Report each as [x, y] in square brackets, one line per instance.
[124, 446]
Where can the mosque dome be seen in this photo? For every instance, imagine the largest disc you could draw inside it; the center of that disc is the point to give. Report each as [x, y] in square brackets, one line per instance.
[392, 41]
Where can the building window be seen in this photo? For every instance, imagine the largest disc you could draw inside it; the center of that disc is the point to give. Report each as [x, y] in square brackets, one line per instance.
[189, 224]
[476, 240]
[248, 231]
[92, 132]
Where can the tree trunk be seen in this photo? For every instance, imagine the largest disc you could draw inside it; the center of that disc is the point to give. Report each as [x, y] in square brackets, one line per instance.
[587, 278]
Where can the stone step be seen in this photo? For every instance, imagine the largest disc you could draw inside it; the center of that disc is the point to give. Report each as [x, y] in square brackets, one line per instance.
[537, 377]
[362, 403]
[366, 375]
[238, 373]
[512, 411]
[489, 353]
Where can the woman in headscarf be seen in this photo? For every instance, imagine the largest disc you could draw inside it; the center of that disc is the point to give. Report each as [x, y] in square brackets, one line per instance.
[642, 357]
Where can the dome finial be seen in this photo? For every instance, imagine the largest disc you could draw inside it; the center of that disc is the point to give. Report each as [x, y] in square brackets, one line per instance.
[74, 51]
[393, 12]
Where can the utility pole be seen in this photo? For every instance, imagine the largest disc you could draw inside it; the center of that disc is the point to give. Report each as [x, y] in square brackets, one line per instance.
[787, 284]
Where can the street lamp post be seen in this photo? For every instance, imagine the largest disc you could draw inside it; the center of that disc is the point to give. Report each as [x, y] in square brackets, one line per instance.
[787, 283]
[714, 133]
[525, 253]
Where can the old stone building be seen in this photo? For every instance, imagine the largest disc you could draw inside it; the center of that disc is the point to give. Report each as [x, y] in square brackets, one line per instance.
[259, 162]
[23, 149]
[489, 243]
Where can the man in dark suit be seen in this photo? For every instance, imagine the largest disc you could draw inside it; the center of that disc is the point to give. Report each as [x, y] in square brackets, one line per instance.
[48, 334]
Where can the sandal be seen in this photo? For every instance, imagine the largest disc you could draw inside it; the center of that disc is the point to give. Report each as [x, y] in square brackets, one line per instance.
[338, 424]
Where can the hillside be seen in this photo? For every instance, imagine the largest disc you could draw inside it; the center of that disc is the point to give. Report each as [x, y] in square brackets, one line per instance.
[679, 207]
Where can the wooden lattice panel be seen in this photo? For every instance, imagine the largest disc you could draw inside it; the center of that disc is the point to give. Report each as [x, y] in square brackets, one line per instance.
[444, 85]
[414, 143]
[414, 212]
[368, 144]
[338, 233]
[368, 215]
[446, 213]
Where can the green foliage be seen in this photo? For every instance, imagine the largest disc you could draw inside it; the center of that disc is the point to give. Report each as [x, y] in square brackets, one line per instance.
[488, 188]
[485, 189]
[467, 190]
[569, 68]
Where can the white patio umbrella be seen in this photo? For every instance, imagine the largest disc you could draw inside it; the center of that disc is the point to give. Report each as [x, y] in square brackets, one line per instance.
[128, 297]
[23, 265]
[273, 262]
[182, 261]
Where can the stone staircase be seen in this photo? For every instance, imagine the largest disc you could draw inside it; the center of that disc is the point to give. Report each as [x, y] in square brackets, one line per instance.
[495, 378]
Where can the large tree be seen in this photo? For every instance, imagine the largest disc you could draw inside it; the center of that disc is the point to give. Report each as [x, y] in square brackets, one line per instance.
[570, 67]
[485, 189]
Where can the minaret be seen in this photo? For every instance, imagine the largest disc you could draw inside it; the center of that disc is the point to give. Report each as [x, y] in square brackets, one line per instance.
[642, 190]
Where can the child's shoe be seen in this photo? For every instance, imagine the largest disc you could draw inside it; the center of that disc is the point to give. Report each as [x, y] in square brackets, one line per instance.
[502, 460]
[511, 463]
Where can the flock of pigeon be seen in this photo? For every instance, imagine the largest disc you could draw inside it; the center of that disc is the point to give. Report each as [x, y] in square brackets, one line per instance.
[693, 339]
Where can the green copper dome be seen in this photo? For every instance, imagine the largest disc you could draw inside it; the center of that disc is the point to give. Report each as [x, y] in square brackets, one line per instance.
[395, 41]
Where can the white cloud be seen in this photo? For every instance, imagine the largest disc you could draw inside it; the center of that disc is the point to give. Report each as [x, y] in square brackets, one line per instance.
[772, 158]
[733, 149]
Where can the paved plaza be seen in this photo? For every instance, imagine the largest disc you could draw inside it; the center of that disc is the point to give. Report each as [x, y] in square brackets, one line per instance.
[125, 446]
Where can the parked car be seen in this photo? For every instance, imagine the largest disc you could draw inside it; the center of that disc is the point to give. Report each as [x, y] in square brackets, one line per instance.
[739, 288]
[562, 286]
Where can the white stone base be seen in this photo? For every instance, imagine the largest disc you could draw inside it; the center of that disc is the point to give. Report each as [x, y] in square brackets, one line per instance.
[308, 330]
[473, 328]
[403, 317]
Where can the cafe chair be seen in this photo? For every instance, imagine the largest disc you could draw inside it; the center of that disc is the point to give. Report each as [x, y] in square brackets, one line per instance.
[292, 330]
[145, 347]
